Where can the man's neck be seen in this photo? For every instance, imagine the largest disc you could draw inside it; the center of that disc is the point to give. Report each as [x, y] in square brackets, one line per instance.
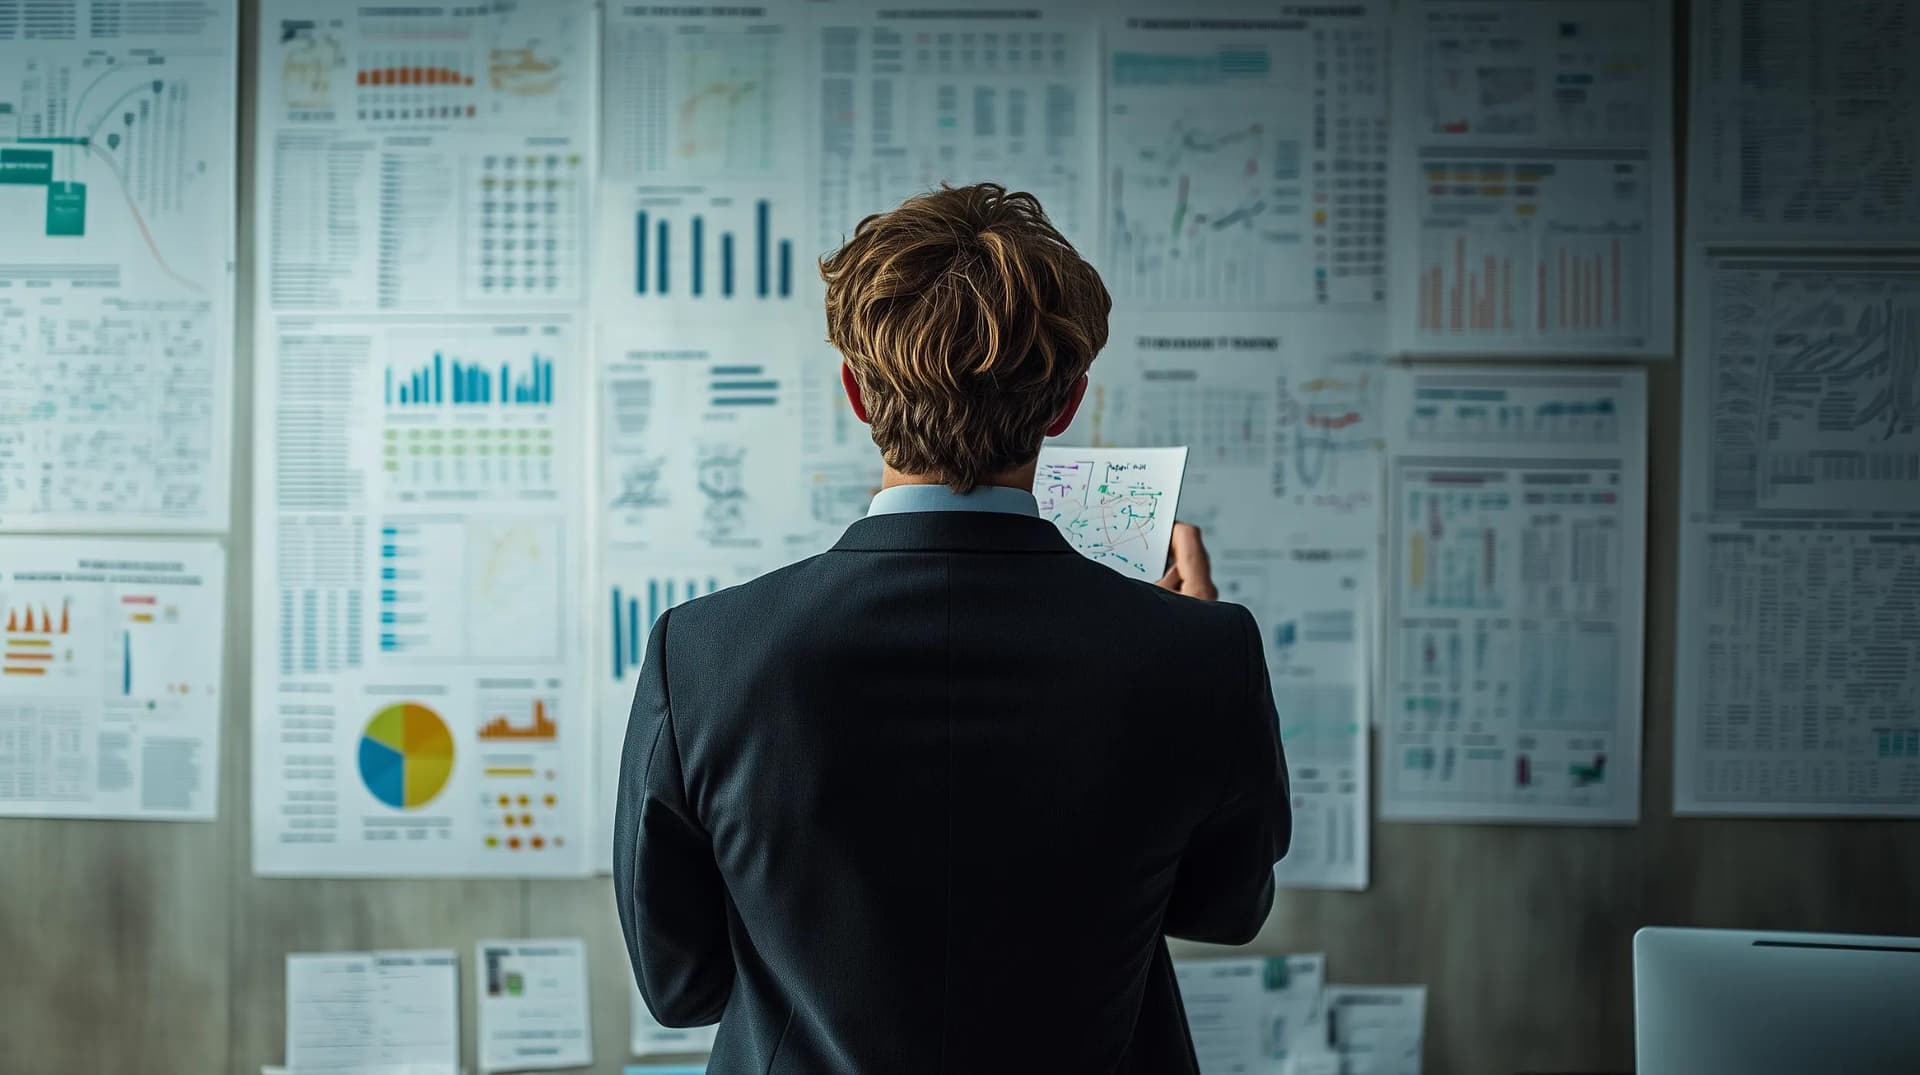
[1020, 477]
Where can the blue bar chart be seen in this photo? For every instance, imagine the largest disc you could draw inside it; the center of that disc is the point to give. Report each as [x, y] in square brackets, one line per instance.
[449, 381]
[630, 628]
[664, 266]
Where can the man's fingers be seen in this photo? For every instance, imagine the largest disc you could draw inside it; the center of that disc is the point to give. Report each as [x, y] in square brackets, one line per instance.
[1190, 572]
[1170, 580]
[1189, 552]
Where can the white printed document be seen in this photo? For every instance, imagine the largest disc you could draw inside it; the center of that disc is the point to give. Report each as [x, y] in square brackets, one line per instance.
[1804, 121]
[1246, 158]
[1254, 1016]
[1532, 178]
[117, 154]
[1377, 1030]
[1797, 673]
[1516, 538]
[110, 691]
[533, 1003]
[913, 95]
[1114, 505]
[422, 383]
[374, 1013]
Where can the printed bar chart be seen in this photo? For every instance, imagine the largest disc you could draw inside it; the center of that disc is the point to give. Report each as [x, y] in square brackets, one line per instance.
[442, 381]
[540, 728]
[1543, 249]
[742, 386]
[657, 260]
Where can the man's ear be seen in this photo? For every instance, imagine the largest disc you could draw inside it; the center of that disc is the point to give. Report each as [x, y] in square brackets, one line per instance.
[852, 385]
[1065, 417]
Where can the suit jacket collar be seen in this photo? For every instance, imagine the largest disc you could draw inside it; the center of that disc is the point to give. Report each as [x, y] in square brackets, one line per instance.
[953, 531]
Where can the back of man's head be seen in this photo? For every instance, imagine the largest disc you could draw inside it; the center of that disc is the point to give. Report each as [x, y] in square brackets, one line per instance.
[968, 322]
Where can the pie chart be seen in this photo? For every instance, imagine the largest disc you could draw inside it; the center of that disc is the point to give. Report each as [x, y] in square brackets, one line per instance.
[406, 755]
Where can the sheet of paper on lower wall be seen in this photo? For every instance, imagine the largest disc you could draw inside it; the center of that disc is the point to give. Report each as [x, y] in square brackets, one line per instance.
[649, 1038]
[1253, 1016]
[1115, 505]
[374, 1013]
[1377, 1030]
[533, 1003]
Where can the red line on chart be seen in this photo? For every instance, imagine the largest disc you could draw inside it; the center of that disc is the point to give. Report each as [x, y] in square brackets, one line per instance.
[134, 208]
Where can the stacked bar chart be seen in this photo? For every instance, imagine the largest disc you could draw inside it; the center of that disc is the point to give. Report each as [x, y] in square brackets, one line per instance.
[702, 264]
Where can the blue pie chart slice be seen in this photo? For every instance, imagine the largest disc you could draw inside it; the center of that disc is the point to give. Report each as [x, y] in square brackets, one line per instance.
[384, 771]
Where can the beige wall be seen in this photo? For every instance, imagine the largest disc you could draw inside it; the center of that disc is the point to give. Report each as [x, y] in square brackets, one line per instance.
[153, 948]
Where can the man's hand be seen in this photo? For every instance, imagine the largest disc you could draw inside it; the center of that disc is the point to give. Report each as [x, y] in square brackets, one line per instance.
[1188, 571]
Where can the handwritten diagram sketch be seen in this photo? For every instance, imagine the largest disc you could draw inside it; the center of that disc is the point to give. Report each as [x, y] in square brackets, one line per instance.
[1114, 505]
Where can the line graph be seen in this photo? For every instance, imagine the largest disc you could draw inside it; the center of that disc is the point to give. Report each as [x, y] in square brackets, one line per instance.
[135, 118]
[1327, 418]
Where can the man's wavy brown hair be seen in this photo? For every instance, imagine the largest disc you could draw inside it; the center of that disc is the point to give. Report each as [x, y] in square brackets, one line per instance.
[967, 320]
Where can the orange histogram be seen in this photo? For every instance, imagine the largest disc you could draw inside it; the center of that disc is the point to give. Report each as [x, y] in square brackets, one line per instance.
[502, 728]
[22, 621]
[30, 634]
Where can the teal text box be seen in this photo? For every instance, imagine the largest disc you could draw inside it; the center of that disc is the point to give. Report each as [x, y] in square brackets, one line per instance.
[67, 209]
[26, 167]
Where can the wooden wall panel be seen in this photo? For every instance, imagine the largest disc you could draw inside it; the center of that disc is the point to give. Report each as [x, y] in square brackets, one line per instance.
[113, 946]
[152, 948]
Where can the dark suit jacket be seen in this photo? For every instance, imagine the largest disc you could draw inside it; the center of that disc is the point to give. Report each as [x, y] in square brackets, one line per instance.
[927, 803]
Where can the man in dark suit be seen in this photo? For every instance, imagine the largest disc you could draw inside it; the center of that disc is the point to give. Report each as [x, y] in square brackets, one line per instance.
[928, 802]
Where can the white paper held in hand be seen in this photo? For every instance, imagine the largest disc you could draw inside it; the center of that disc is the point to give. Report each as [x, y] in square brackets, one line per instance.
[1114, 505]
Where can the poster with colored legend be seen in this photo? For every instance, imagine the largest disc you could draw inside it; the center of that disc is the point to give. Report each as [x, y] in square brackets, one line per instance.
[109, 678]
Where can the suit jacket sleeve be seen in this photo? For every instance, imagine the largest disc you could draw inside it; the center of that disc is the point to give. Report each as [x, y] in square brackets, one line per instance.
[672, 900]
[1224, 887]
